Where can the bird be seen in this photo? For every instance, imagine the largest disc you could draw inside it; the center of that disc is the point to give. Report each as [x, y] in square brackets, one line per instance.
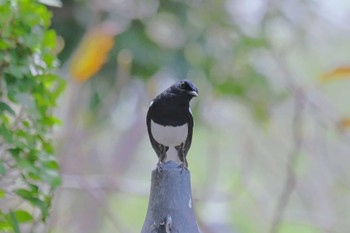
[170, 123]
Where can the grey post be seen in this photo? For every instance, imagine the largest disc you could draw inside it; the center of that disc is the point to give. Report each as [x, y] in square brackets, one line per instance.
[170, 207]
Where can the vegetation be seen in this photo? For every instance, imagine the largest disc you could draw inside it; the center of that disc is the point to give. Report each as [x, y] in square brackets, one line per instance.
[28, 93]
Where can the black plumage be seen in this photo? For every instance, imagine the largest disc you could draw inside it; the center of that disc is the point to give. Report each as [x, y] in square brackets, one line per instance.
[170, 122]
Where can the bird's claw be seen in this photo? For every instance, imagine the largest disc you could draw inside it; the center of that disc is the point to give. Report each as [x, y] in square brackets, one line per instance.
[183, 167]
[159, 167]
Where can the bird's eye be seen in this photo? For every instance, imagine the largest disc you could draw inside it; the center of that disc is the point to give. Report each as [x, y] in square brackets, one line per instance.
[182, 84]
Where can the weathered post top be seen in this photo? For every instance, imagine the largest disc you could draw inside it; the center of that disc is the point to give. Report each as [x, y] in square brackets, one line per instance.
[170, 207]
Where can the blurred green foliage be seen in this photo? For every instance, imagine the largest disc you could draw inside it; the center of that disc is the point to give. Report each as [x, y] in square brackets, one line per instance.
[28, 92]
[186, 39]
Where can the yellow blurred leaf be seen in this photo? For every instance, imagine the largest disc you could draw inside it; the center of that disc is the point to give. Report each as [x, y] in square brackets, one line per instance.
[59, 44]
[336, 74]
[92, 51]
[344, 124]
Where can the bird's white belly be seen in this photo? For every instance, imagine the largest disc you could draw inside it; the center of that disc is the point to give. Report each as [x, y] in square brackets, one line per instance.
[169, 135]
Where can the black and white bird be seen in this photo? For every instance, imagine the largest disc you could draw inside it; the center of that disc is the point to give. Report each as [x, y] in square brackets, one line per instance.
[170, 122]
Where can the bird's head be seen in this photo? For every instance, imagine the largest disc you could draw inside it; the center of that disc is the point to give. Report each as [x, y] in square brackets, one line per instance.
[186, 87]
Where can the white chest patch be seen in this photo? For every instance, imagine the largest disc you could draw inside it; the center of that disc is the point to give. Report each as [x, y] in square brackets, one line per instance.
[169, 135]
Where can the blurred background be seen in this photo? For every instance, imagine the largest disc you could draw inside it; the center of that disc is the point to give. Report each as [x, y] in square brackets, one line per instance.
[271, 144]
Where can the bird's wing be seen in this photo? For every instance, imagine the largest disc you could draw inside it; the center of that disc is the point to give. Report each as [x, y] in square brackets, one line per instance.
[156, 146]
[189, 136]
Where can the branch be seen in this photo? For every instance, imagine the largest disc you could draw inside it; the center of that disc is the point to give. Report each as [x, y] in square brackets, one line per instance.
[291, 179]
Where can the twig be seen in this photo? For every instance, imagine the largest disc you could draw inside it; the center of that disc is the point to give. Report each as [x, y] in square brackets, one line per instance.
[104, 183]
[291, 179]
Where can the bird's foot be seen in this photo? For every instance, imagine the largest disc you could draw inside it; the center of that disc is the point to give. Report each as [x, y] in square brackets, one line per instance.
[182, 156]
[183, 166]
[159, 167]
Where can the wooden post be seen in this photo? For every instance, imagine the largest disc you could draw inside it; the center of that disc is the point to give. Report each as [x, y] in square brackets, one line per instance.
[170, 207]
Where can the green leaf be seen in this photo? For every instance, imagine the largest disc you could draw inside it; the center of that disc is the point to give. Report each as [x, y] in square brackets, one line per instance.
[14, 222]
[6, 134]
[34, 176]
[52, 177]
[51, 165]
[34, 188]
[51, 121]
[2, 193]
[23, 216]
[25, 194]
[5, 226]
[61, 85]
[6, 108]
[15, 152]
[2, 169]
[48, 147]
[50, 39]
[31, 198]
[42, 206]
[48, 79]
[26, 124]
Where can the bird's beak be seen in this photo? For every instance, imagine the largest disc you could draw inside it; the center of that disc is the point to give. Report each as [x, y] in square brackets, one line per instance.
[193, 93]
